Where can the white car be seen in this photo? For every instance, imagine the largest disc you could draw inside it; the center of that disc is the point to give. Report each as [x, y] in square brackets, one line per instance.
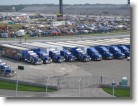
[128, 58]
[20, 33]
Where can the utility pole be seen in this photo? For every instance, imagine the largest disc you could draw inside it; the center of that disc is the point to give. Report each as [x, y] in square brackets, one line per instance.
[128, 2]
[61, 7]
[113, 84]
[47, 87]
[16, 84]
[80, 87]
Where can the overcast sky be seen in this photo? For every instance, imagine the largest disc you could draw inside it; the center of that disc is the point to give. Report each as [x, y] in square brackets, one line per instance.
[14, 2]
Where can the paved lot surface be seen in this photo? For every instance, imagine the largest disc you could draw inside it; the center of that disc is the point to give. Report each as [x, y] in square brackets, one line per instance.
[66, 38]
[115, 69]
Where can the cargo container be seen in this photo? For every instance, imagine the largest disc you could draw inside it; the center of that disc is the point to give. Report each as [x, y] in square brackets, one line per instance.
[42, 53]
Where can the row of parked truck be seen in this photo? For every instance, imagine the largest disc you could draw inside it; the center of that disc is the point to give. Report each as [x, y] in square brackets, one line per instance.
[5, 70]
[39, 53]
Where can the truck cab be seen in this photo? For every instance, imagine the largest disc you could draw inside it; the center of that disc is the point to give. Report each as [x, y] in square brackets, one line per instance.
[80, 54]
[117, 53]
[124, 49]
[94, 54]
[128, 46]
[67, 55]
[31, 57]
[104, 52]
[6, 71]
[56, 56]
[43, 55]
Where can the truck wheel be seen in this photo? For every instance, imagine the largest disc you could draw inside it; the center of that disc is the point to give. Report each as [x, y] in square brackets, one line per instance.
[44, 62]
[7, 75]
[21, 59]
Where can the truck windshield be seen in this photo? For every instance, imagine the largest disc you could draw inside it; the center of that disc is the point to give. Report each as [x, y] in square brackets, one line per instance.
[105, 49]
[68, 52]
[3, 64]
[44, 54]
[34, 55]
[6, 68]
[125, 48]
[81, 51]
[94, 50]
[56, 52]
[107, 52]
[116, 48]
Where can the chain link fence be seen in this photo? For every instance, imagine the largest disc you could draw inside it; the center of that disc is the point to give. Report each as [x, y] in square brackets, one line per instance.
[68, 86]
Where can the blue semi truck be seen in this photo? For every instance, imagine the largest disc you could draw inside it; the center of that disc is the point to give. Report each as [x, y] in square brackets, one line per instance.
[94, 54]
[104, 51]
[6, 71]
[54, 53]
[20, 53]
[79, 53]
[117, 53]
[43, 55]
[41, 52]
[124, 49]
[67, 55]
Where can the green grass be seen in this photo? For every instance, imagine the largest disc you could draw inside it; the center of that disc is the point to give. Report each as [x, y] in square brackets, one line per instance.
[119, 92]
[23, 87]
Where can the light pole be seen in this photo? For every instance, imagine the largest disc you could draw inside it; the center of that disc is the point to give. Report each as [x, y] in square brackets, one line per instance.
[47, 86]
[80, 87]
[113, 84]
[16, 84]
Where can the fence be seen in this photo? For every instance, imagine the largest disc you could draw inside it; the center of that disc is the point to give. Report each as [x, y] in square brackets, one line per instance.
[68, 86]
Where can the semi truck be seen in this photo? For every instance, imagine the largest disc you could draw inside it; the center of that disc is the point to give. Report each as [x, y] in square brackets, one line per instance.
[104, 52]
[79, 53]
[56, 56]
[20, 53]
[67, 55]
[94, 54]
[6, 71]
[53, 51]
[41, 52]
[117, 53]
[124, 49]
[43, 55]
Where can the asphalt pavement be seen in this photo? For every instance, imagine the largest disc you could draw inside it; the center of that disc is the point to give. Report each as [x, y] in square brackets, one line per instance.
[66, 38]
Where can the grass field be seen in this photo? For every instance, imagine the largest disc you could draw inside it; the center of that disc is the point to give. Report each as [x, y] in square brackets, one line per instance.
[119, 92]
[23, 87]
